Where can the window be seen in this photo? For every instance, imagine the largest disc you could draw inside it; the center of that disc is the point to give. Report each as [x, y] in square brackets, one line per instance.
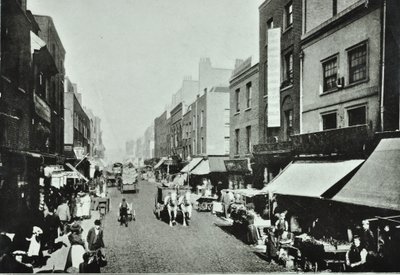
[288, 129]
[201, 119]
[289, 14]
[330, 74]
[357, 116]
[248, 139]
[288, 69]
[237, 141]
[358, 63]
[194, 121]
[329, 121]
[202, 146]
[248, 95]
[237, 100]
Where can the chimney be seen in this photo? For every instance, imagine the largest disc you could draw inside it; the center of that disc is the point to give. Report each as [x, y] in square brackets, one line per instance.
[238, 62]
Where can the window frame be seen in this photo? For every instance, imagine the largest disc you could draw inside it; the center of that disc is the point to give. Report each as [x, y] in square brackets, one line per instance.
[237, 141]
[249, 91]
[248, 139]
[237, 100]
[352, 108]
[351, 50]
[329, 113]
[323, 64]
[288, 15]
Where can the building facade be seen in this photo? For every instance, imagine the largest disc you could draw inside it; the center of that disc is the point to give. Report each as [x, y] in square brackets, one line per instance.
[279, 82]
[244, 123]
[344, 47]
[210, 126]
[54, 89]
[77, 124]
[161, 141]
[148, 146]
[176, 131]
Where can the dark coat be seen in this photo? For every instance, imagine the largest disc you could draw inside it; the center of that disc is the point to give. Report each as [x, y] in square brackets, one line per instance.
[95, 242]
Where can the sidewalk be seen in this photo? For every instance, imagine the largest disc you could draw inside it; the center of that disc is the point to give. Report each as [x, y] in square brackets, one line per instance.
[58, 258]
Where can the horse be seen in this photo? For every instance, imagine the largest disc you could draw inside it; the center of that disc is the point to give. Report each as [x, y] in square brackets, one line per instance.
[185, 206]
[172, 207]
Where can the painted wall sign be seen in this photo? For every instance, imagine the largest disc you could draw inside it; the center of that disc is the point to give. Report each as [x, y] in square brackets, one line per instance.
[274, 77]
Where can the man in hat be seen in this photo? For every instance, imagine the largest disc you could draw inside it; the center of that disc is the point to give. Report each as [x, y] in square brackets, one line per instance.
[367, 237]
[356, 257]
[95, 236]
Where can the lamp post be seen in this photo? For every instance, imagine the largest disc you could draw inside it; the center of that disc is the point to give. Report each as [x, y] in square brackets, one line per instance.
[189, 159]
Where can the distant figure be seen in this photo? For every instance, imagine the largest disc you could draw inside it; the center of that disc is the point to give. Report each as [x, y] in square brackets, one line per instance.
[123, 212]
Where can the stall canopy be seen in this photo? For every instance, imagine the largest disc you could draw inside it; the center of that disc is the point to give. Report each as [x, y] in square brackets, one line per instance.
[192, 164]
[159, 163]
[311, 178]
[377, 183]
[210, 165]
[248, 192]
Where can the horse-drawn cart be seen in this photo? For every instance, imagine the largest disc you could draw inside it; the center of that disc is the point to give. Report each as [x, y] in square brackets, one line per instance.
[164, 192]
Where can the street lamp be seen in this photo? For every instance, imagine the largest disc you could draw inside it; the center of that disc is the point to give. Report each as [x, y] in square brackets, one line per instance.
[189, 159]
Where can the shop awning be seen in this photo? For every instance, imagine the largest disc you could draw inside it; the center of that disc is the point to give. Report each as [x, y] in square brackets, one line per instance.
[202, 169]
[159, 163]
[192, 164]
[248, 192]
[213, 164]
[238, 165]
[311, 178]
[377, 183]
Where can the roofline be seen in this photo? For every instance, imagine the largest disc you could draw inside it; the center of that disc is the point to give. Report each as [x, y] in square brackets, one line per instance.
[254, 67]
[54, 25]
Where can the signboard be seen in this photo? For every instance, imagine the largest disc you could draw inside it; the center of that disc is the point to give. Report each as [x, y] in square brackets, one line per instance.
[67, 147]
[79, 152]
[274, 77]
[76, 171]
[42, 109]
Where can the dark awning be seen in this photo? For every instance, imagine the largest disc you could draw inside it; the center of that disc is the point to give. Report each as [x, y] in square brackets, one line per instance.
[377, 183]
[311, 178]
[213, 164]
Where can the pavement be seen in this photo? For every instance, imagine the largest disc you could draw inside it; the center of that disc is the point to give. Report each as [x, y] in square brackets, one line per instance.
[148, 245]
[57, 259]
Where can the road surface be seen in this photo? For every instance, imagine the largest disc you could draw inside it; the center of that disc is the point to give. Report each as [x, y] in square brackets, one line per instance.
[150, 245]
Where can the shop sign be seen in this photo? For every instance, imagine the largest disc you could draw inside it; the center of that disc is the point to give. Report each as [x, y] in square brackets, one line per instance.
[68, 148]
[79, 152]
[274, 77]
[42, 109]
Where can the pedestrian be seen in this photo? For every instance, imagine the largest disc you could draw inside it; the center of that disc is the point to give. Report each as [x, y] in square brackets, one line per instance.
[123, 212]
[281, 225]
[356, 257]
[52, 223]
[95, 237]
[64, 215]
[34, 250]
[72, 205]
[77, 249]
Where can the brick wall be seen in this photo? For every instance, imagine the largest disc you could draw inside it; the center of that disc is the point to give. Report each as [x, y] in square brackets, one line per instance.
[247, 116]
[290, 41]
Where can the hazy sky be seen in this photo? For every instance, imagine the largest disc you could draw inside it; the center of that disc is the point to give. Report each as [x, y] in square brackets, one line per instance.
[129, 56]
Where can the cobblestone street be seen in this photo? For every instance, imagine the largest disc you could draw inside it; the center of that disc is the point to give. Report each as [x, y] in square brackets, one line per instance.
[150, 245]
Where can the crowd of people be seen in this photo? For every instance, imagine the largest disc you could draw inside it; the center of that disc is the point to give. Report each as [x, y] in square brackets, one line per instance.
[60, 212]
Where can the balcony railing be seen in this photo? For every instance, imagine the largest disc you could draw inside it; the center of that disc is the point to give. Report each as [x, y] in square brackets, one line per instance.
[273, 148]
[349, 140]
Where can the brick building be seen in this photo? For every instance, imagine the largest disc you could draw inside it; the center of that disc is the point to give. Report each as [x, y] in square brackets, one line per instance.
[244, 122]
[161, 141]
[176, 131]
[54, 89]
[25, 116]
[77, 125]
[279, 81]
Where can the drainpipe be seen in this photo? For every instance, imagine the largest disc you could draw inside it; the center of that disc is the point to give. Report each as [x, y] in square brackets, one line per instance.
[383, 45]
[301, 91]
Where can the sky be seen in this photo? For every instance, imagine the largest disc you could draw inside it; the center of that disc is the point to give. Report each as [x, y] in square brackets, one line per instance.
[129, 56]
